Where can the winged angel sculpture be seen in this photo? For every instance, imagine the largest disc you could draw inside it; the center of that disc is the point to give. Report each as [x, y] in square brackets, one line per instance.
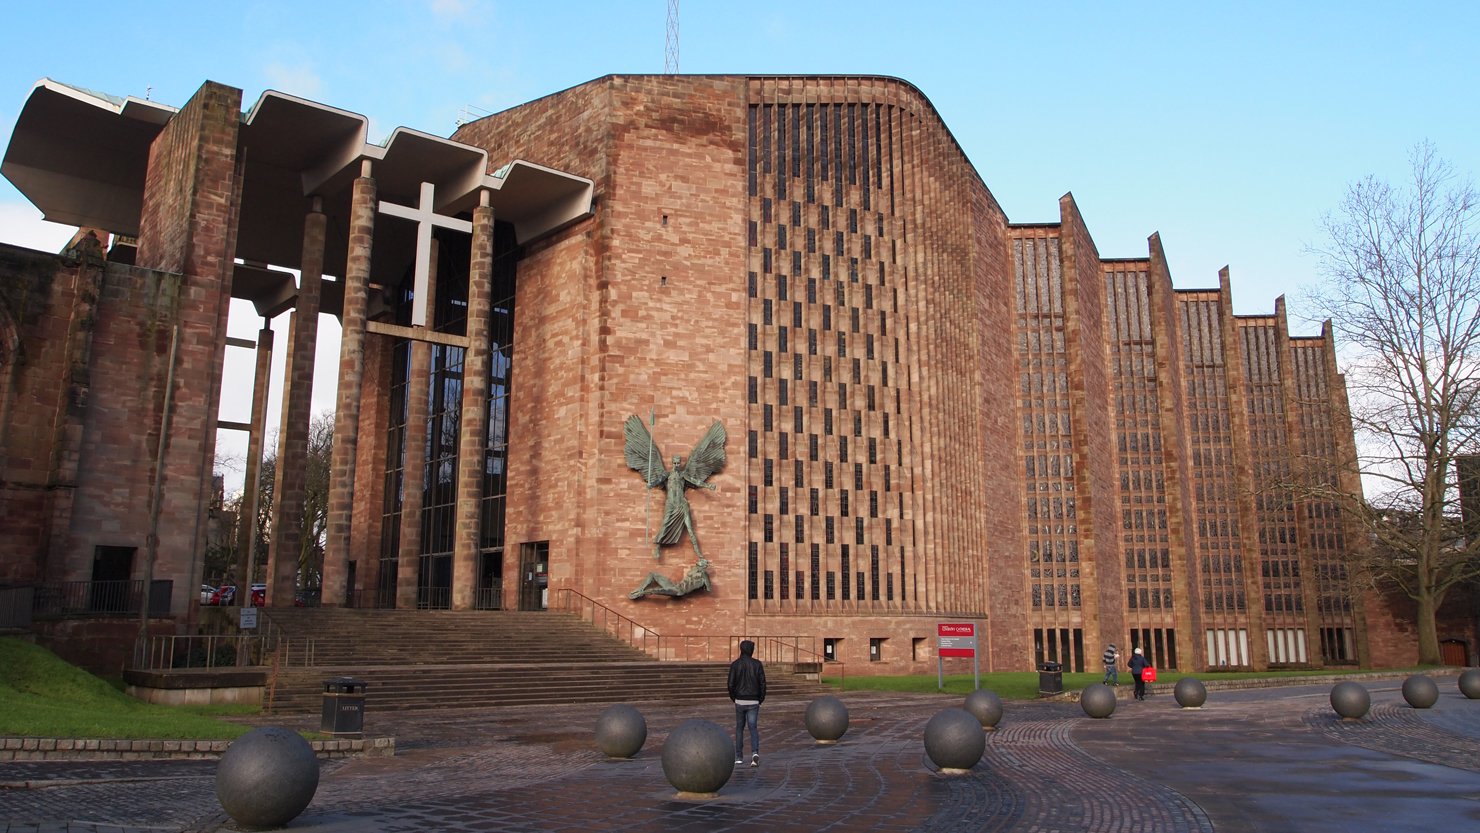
[644, 457]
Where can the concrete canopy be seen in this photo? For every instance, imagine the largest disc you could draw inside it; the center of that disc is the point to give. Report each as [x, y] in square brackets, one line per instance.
[81, 157]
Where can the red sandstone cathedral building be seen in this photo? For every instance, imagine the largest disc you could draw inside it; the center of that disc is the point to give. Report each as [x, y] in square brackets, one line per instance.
[932, 414]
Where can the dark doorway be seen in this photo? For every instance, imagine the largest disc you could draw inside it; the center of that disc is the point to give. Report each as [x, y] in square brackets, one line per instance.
[1159, 645]
[490, 590]
[1062, 645]
[385, 584]
[113, 567]
[534, 575]
[1454, 652]
[434, 582]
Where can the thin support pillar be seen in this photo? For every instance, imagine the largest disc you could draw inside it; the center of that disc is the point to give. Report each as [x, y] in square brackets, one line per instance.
[290, 489]
[351, 382]
[246, 544]
[473, 441]
[414, 473]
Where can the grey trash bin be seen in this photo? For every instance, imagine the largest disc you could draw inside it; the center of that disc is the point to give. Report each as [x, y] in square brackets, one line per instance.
[344, 708]
[1051, 678]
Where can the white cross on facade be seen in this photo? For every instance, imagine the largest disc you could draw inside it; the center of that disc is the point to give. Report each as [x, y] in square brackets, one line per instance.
[425, 218]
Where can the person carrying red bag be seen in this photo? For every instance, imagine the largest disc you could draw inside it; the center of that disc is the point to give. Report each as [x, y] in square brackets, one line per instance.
[1138, 665]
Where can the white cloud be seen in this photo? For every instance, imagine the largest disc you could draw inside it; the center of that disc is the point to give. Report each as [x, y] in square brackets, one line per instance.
[448, 10]
[297, 78]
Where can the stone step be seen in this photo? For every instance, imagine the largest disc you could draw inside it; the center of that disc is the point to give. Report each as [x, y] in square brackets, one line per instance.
[455, 687]
[419, 659]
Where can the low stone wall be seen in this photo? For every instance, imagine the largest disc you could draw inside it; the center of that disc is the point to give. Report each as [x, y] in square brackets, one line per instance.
[1214, 684]
[197, 687]
[94, 749]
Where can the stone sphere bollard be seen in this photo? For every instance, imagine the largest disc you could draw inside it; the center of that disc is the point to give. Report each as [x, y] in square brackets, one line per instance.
[1350, 700]
[696, 758]
[954, 740]
[267, 777]
[1420, 691]
[1097, 700]
[620, 731]
[986, 707]
[826, 719]
[1190, 693]
[1469, 683]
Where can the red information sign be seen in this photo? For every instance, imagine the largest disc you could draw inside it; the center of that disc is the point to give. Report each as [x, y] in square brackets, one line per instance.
[957, 639]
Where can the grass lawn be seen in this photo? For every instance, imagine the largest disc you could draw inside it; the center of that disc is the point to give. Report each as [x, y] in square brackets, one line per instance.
[1023, 685]
[42, 696]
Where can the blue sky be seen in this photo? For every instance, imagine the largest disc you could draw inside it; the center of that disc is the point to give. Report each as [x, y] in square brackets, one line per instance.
[1230, 128]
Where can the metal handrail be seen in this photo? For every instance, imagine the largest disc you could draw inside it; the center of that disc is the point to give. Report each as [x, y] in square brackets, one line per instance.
[646, 639]
[101, 598]
[281, 645]
[691, 647]
[271, 643]
[159, 653]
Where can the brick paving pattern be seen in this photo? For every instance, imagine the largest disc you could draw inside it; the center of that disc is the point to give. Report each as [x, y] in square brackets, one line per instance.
[1267, 760]
[1437, 737]
[106, 796]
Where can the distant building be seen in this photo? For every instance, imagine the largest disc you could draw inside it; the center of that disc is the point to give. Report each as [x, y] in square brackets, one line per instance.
[934, 415]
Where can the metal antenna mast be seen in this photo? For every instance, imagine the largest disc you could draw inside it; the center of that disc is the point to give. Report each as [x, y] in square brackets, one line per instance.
[670, 53]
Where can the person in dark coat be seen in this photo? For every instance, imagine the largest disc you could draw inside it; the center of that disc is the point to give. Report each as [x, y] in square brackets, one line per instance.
[747, 688]
[1138, 664]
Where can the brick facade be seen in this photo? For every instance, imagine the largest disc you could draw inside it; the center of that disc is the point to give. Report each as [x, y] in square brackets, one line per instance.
[878, 272]
[933, 415]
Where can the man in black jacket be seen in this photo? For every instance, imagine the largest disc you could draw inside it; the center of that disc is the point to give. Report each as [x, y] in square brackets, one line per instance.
[747, 689]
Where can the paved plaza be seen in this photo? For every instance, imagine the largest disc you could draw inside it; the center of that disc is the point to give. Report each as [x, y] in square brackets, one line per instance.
[1275, 759]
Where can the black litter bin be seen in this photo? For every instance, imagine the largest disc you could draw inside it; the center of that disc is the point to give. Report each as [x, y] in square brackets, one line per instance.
[1051, 678]
[344, 708]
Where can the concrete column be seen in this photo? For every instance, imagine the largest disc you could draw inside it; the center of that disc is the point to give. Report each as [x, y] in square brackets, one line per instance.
[351, 380]
[246, 526]
[369, 527]
[290, 487]
[414, 454]
[473, 441]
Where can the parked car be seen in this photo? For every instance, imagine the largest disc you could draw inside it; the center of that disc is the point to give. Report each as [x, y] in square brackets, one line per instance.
[206, 591]
[226, 595]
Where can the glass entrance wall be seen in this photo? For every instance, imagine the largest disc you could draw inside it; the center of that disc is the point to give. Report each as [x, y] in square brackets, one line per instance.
[489, 594]
[395, 480]
[438, 459]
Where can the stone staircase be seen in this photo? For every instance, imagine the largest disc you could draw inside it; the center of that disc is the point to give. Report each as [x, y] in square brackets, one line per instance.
[439, 659]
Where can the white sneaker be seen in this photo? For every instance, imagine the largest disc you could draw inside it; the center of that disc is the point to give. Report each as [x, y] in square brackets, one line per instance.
[755, 760]
[739, 762]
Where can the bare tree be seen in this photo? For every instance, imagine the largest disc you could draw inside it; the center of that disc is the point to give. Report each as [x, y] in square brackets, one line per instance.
[316, 502]
[1402, 288]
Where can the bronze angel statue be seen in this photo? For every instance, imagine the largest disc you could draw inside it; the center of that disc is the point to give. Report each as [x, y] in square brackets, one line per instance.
[644, 457]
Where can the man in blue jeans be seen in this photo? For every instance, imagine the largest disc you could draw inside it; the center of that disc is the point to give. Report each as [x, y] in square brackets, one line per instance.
[1112, 665]
[747, 688]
